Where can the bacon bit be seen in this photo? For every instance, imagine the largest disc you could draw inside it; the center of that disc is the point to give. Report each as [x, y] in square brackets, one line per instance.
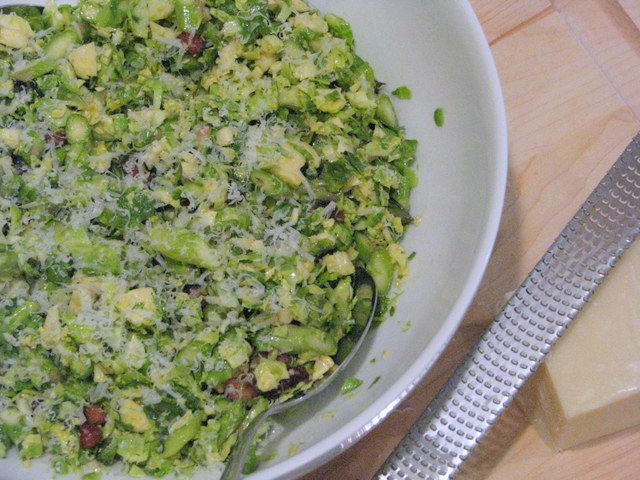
[337, 215]
[95, 414]
[195, 291]
[139, 172]
[55, 139]
[195, 43]
[297, 375]
[241, 388]
[130, 168]
[284, 358]
[90, 435]
[333, 212]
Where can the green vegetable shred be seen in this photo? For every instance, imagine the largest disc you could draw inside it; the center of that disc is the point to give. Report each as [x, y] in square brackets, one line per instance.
[438, 117]
[350, 384]
[403, 93]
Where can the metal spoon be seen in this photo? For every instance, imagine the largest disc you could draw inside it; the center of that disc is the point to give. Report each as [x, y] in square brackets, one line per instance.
[347, 348]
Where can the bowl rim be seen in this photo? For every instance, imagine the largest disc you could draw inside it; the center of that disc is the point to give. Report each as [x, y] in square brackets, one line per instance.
[349, 434]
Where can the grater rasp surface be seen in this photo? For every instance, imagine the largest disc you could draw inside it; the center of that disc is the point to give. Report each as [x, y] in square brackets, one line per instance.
[521, 335]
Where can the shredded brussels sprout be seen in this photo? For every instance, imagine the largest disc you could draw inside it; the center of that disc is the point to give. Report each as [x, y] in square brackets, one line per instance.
[186, 190]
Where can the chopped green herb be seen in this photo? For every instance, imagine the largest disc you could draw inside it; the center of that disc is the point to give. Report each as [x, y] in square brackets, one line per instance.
[403, 93]
[438, 117]
[350, 384]
[375, 380]
[92, 476]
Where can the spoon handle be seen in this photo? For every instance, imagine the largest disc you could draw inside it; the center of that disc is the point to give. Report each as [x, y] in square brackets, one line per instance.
[234, 465]
[519, 338]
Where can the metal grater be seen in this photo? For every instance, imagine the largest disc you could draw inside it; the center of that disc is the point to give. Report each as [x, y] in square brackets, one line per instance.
[529, 325]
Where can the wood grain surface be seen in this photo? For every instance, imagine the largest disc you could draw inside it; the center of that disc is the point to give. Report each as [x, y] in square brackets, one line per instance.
[570, 72]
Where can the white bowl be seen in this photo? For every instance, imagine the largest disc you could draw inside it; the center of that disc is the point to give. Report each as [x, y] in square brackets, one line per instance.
[437, 49]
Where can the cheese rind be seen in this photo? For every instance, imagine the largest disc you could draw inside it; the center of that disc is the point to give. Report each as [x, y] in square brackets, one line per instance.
[589, 385]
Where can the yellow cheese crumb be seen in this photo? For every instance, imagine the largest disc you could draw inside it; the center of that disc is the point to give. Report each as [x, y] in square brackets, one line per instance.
[84, 294]
[190, 166]
[10, 137]
[313, 22]
[224, 136]
[288, 169]
[149, 119]
[84, 60]
[133, 415]
[138, 306]
[134, 352]
[15, 31]
[99, 375]
[293, 449]
[339, 263]
[51, 329]
[322, 365]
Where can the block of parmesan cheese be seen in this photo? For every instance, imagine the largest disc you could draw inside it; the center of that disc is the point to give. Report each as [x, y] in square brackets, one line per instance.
[589, 385]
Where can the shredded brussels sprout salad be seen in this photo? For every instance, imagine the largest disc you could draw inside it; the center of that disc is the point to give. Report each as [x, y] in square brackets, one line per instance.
[186, 190]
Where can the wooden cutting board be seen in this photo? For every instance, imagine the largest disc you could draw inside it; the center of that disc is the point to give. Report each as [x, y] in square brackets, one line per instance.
[570, 72]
